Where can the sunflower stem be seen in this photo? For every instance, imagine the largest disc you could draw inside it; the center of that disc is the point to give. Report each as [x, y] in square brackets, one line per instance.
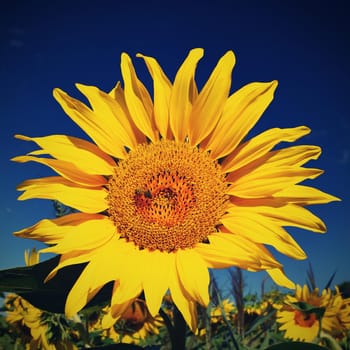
[177, 329]
[168, 325]
[180, 331]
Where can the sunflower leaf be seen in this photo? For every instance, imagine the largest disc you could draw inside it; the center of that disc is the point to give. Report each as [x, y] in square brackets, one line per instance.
[308, 309]
[28, 282]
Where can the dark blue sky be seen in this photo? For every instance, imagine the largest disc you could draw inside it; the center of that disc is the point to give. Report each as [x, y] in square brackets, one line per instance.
[304, 45]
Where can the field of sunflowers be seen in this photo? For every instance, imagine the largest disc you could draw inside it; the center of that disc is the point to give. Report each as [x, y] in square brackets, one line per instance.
[233, 320]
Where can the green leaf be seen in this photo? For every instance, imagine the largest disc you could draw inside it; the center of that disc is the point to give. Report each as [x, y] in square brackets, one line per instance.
[309, 309]
[259, 321]
[28, 282]
[296, 346]
[329, 341]
[328, 284]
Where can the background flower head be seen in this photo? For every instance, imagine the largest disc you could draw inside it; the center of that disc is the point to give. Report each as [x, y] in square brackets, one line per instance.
[323, 312]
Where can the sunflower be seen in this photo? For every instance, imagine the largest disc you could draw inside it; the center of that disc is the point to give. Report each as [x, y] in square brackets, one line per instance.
[344, 320]
[169, 187]
[338, 311]
[344, 314]
[300, 325]
[31, 257]
[134, 325]
[270, 301]
[25, 321]
[226, 307]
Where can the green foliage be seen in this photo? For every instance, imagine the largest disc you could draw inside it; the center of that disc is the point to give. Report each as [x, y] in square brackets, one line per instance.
[296, 346]
[254, 327]
[309, 309]
[61, 209]
[51, 296]
[8, 339]
[116, 347]
[345, 289]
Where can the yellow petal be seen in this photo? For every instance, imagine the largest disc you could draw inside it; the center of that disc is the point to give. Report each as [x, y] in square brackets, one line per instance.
[88, 235]
[73, 258]
[52, 231]
[114, 312]
[130, 268]
[108, 110]
[227, 249]
[208, 106]
[124, 116]
[38, 334]
[193, 91]
[287, 157]
[296, 155]
[127, 289]
[161, 91]
[262, 230]
[304, 195]
[156, 278]
[91, 280]
[259, 145]
[280, 278]
[85, 155]
[89, 200]
[67, 170]
[193, 274]
[286, 215]
[182, 300]
[264, 181]
[180, 101]
[241, 111]
[85, 288]
[31, 257]
[137, 99]
[92, 124]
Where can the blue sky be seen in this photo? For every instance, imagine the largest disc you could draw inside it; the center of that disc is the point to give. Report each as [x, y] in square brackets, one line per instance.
[304, 45]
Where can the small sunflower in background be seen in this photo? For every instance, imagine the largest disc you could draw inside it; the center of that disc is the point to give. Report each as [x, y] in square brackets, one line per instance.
[226, 308]
[270, 301]
[320, 314]
[134, 325]
[169, 186]
[339, 308]
[344, 314]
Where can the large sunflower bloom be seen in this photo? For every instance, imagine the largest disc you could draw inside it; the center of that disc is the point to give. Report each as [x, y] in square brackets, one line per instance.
[169, 187]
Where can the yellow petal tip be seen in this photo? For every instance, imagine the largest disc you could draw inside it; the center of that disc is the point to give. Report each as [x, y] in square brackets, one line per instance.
[124, 56]
[79, 86]
[57, 93]
[197, 51]
[22, 137]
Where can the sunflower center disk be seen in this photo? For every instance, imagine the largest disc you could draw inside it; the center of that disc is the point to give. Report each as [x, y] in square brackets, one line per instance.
[166, 200]
[304, 320]
[166, 196]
